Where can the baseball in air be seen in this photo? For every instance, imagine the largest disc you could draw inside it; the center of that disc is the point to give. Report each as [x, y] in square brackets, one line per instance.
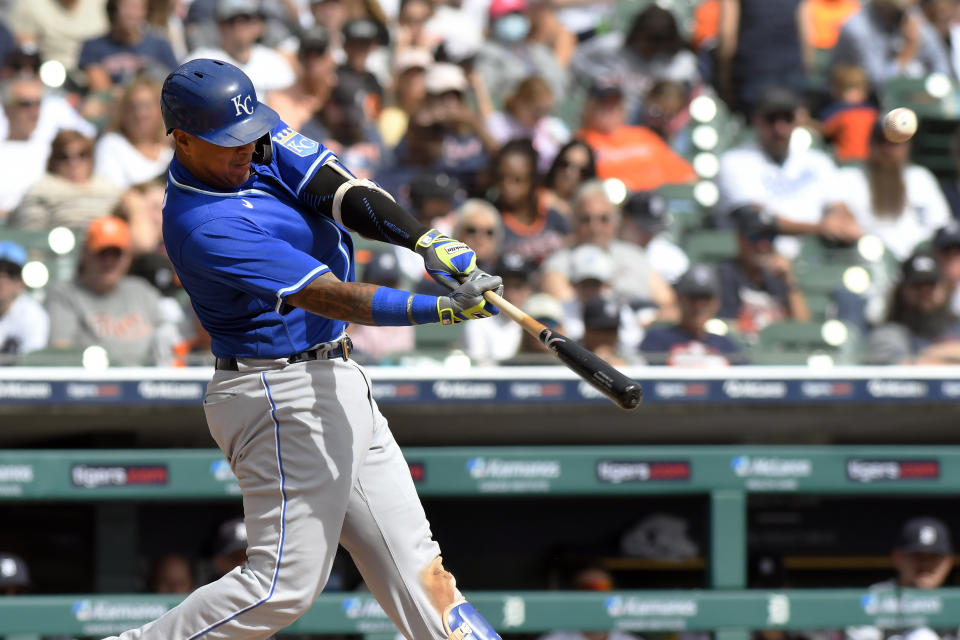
[899, 124]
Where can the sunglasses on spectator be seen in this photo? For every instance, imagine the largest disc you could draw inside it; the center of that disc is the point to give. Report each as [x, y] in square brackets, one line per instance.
[109, 252]
[10, 270]
[78, 155]
[779, 116]
[26, 104]
[471, 230]
[602, 219]
[240, 18]
[564, 163]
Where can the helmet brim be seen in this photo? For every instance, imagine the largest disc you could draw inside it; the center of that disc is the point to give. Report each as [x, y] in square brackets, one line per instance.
[245, 131]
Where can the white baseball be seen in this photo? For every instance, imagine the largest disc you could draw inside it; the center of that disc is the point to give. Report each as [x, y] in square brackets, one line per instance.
[899, 124]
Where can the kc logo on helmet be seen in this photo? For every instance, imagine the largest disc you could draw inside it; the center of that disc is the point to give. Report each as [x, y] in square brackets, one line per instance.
[243, 104]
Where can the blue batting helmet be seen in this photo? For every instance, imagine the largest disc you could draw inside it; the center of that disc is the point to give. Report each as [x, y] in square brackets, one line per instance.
[216, 102]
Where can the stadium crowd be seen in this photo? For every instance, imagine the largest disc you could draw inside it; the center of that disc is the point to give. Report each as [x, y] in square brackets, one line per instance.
[681, 182]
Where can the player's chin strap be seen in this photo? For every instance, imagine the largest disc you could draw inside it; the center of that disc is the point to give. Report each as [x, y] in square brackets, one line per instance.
[462, 622]
[351, 182]
[263, 150]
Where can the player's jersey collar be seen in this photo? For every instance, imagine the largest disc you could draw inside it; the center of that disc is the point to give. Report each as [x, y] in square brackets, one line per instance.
[181, 178]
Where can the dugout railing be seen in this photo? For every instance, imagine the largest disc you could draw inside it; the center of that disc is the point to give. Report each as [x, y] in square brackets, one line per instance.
[114, 479]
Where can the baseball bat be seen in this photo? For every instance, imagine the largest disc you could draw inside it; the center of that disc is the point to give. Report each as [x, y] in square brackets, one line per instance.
[626, 393]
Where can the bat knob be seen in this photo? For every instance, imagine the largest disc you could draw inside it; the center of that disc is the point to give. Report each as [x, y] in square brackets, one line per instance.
[631, 397]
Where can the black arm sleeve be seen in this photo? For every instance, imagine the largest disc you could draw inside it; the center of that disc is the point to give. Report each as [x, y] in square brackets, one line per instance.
[364, 210]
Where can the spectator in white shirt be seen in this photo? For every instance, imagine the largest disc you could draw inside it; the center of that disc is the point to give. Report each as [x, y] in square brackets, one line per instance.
[799, 185]
[24, 325]
[644, 222]
[891, 198]
[492, 342]
[23, 156]
[136, 148]
[240, 23]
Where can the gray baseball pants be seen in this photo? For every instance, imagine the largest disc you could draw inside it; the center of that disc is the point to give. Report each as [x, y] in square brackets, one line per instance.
[317, 465]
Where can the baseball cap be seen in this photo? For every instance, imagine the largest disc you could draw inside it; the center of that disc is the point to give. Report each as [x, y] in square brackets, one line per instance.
[13, 571]
[606, 87]
[363, 29]
[755, 223]
[412, 58]
[316, 39]
[514, 264]
[699, 280]
[920, 269]
[601, 313]
[443, 77]
[107, 232]
[227, 9]
[500, 8]
[925, 535]
[382, 268]
[432, 185]
[12, 252]
[590, 262]
[544, 308]
[947, 236]
[773, 99]
[231, 537]
[647, 208]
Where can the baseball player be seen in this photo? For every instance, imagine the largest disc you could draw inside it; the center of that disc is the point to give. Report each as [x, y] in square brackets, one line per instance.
[255, 222]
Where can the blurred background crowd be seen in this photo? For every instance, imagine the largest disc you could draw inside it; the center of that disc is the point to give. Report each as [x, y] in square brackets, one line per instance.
[680, 182]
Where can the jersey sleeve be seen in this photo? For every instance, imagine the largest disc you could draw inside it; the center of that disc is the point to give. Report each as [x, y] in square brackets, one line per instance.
[237, 253]
[297, 157]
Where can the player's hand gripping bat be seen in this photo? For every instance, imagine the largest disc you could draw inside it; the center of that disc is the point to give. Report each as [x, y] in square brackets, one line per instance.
[626, 393]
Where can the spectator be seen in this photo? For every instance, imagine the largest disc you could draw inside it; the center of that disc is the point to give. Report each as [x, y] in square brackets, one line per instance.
[14, 575]
[360, 38]
[433, 197]
[507, 56]
[633, 154]
[170, 573]
[68, 195]
[58, 27]
[106, 307]
[573, 165]
[590, 578]
[135, 149]
[24, 325]
[665, 112]
[848, 120]
[893, 199]
[240, 24]
[946, 251]
[343, 127]
[759, 44]
[526, 114]
[920, 327]
[460, 26]
[651, 50]
[596, 220]
[688, 343]
[800, 186]
[408, 92]
[372, 343]
[331, 15]
[758, 287]
[890, 38]
[591, 276]
[128, 49]
[229, 549]
[644, 221]
[56, 113]
[492, 342]
[549, 312]
[411, 31]
[141, 207]
[823, 19]
[923, 559]
[547, 29]
[601, 318]
[466, 143]
[23, 155]
[316, 77]
[532, 229]
[420, 150]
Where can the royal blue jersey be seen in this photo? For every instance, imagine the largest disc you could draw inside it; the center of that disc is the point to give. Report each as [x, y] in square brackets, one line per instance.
[239, 253]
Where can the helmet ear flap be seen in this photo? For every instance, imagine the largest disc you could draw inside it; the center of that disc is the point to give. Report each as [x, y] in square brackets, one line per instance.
[263, 149]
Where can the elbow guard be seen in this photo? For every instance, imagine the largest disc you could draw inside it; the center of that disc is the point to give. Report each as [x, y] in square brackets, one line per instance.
[361, 205]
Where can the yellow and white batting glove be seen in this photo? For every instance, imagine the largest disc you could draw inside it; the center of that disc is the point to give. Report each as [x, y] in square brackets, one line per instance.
[466, 302]
[448, 261]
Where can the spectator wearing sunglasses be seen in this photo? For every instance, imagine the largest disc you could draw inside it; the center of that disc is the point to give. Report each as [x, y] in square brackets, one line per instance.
[798, 185]
[757, 287]
[68, 195]
[105, 306]
[24, 325]
[22, 155]
[573, 165]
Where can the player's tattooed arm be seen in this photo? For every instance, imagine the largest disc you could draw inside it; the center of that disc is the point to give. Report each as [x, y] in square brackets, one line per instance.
[329, 297]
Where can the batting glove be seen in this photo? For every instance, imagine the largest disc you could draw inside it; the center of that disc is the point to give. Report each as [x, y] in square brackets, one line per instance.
[448, 261]
[466, 302]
